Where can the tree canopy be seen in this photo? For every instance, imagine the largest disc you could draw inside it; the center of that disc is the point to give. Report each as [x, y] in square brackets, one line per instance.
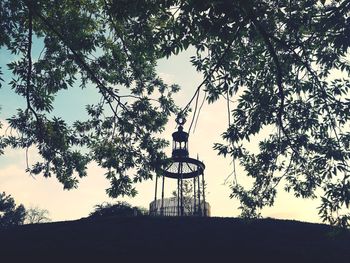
[281, 65]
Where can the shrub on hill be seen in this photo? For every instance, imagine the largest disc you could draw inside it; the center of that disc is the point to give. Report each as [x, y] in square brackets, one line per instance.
[118, 209]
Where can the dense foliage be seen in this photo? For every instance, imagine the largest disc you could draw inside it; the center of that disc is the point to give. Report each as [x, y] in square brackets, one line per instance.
[101, 50]
[10, 214]
[282, 66]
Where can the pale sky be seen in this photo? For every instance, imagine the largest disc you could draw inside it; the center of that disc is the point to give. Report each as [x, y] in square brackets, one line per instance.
[74, 204]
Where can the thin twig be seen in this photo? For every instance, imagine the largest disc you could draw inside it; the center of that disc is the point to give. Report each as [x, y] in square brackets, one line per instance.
[228, 107]
[195, 111]
[199, 111]
[285, 173]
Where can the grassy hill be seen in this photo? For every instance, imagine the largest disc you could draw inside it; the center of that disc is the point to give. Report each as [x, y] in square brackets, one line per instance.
[151, 239]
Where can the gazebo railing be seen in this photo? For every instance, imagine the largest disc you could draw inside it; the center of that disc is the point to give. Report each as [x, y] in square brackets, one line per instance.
[170, 208]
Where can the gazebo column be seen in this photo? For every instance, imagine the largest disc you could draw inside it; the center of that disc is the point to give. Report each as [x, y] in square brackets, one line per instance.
[194, 196]
[199, 197]
[178, 196]
[203, 187]
[162, 207]
[155, 209]
[182, 190]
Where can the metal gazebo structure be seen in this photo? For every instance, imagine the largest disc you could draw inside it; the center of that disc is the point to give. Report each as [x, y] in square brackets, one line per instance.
[181, 167]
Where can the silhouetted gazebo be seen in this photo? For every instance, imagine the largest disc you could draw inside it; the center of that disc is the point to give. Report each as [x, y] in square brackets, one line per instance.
[181, 167]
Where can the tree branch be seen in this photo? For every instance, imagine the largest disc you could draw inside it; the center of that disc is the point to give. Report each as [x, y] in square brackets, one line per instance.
[218, 64]
[316, 79]
[279, 78]
[29, 60]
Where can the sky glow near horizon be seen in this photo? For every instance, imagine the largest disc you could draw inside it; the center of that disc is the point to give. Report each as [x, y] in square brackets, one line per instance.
[48, 193]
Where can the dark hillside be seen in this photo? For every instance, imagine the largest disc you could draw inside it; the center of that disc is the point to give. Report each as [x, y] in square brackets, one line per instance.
[150, 239]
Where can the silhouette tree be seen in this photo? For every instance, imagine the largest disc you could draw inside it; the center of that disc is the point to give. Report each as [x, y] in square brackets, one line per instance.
[10, 215]
[36, 215]
[273, 61]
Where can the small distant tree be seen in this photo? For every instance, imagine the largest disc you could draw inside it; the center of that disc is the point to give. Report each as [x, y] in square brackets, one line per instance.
[36, 215]
[118, 209]
[10, 215]
[187, 196]
[188, 193]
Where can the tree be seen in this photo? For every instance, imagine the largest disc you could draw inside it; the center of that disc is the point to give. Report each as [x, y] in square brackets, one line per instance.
[187, 196]
[276, 58]
[10, 214]
[36, 215]
[188, 193]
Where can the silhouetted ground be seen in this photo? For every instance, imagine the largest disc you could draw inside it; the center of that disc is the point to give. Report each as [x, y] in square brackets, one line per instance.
[150, 239]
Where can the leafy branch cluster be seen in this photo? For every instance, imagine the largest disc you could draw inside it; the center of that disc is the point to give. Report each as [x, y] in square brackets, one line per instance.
[86, 43]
